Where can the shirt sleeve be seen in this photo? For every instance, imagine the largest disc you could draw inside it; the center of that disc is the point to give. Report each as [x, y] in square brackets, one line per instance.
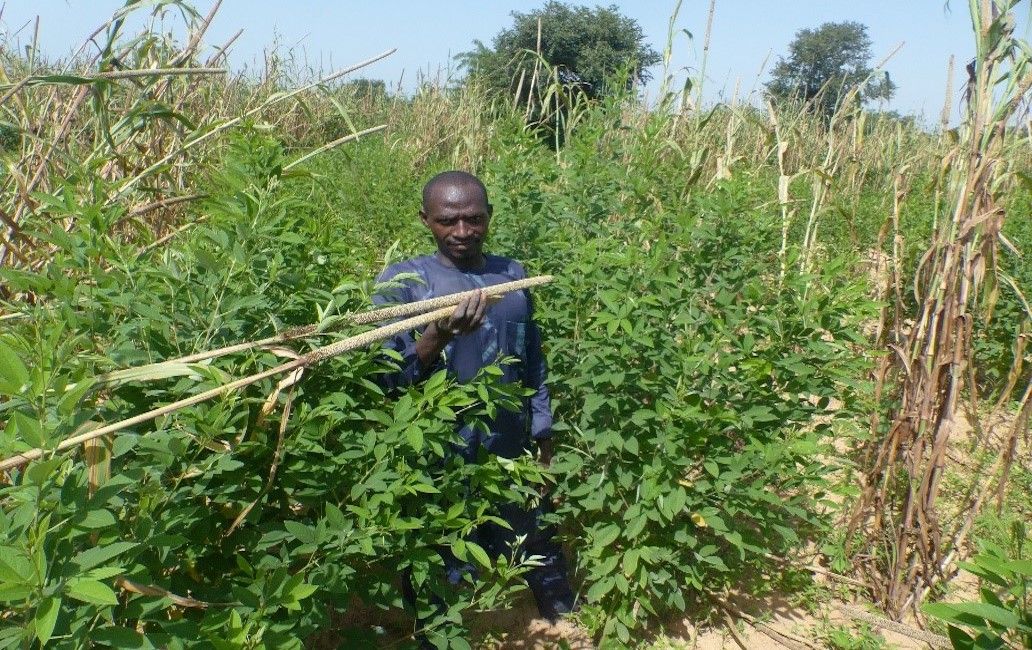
[409, 371]
[536, 375]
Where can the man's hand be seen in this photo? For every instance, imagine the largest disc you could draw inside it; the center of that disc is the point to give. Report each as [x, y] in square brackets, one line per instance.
[545, 451]
[467, 317]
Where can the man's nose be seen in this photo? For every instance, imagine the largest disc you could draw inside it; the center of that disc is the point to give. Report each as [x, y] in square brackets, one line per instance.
[461, 228]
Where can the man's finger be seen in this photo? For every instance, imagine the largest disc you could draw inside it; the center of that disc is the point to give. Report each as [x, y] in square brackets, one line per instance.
[461, 313]
[478, 315]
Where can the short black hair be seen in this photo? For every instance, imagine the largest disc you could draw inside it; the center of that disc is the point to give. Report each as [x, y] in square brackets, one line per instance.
[452, 177]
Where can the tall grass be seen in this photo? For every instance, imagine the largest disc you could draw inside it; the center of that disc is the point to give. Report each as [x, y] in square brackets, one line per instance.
[129, 124]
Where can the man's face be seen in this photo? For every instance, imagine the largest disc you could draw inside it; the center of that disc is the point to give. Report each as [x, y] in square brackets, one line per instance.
[458, 215]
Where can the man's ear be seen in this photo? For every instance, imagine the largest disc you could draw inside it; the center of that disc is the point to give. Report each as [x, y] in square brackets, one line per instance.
[424, 218]
[490, 210]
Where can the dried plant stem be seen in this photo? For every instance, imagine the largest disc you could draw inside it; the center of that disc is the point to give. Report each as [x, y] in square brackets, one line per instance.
[164, 203]
[904, 550]
[361, 318]
[934, 640]
[705, 53]
[732, 630]
[37, 176]
[332, 144]
[196, 36]
[126, 74]
[947, 104]
[786, 639]
[275, 99]
[221, 51]
[305, 360]
[313, 357]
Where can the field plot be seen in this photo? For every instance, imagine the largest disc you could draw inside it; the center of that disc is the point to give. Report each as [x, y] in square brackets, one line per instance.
[788, 358]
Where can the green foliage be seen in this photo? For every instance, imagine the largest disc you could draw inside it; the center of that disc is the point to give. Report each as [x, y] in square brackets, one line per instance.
[842, 637]
[190, 540]
[366, 88]
[687, 380]
[1002, 617]
[587, 47]
[998, 346]
[823, 64]
[696, 392]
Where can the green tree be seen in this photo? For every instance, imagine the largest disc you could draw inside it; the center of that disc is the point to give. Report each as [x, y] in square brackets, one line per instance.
[825, 63]
[587, 47]
[362, 88]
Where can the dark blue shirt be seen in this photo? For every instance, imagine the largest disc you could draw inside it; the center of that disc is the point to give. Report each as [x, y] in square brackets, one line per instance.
[508, 330]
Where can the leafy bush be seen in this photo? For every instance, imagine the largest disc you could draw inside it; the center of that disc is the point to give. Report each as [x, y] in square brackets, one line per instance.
[1002, 618]
[218, 524]
[691, 384]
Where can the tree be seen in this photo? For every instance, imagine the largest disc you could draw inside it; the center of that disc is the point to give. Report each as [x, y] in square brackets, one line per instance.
[824, 64]
[587, 48]
[363, 88]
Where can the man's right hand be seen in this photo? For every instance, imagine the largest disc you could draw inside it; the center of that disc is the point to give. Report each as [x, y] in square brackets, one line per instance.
[466, 318]
[468, 315]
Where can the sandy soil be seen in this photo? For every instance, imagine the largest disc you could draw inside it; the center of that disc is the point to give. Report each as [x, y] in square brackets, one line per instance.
[784, 625]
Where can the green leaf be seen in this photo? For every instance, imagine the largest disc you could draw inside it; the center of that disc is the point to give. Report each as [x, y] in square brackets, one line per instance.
[433, 385]
[99, 518]
[960, 639]
[46, 618]
[15, 566]
[458, 643]
[120, 637]
[414, 436]
[607, 535]
[151, 372]
[598, 590]
[91, 557]
[760, 414]
[103, 573]
[91, 591]
[15, 593]
[335, 517]
[303, 590]
[1021, 567]
[458, 549]
[479, 554]
[70, 400]
[991, 613]
[14, 376]
[631, 445]
[303, 533]
[630, 562]
[29, 430]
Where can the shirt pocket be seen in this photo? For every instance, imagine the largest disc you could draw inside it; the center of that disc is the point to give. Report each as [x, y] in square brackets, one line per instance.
[516, 339]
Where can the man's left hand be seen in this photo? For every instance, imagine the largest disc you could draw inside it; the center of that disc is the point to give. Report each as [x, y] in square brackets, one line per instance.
[545, 451]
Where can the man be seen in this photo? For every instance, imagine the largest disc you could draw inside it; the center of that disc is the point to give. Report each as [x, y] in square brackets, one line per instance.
[457, 213]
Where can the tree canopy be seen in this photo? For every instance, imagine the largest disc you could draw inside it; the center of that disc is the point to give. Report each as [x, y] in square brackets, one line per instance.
[586, 46]
[835, 58]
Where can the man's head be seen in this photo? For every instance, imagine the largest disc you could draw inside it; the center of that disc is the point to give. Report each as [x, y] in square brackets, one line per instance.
[456, 210]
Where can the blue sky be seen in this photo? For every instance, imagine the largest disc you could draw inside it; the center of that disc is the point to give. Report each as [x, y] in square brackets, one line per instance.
[429, 34]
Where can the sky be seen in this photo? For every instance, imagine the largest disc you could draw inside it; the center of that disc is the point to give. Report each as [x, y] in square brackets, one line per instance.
[747, 36]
